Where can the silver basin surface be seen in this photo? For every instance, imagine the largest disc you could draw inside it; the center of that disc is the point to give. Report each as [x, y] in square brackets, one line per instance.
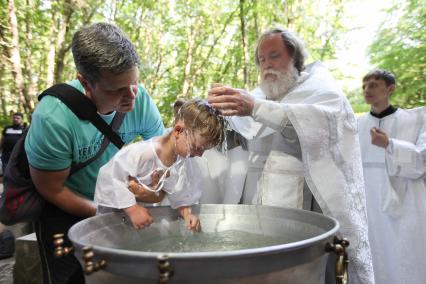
[295, 250]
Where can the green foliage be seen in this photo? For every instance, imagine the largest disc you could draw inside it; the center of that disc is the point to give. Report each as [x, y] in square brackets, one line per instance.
[184, 45]
[400, 47]
[4, 121]
[357, 101]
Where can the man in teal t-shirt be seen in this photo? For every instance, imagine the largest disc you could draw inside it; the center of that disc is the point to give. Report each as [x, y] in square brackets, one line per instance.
[108, 74]
[53, 119]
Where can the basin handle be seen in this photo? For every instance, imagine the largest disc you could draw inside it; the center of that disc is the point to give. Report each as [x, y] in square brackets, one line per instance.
[60, 250]
[89, 265]
[339, 246]
[165, 268]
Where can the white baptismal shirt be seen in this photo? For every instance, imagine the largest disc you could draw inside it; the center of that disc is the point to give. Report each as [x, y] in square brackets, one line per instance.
[139, 160]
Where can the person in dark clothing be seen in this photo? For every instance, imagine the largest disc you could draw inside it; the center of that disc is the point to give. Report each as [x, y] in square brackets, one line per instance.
[11, 135]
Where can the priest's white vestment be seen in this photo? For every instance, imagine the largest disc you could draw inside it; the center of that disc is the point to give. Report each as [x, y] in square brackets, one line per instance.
[309, 140]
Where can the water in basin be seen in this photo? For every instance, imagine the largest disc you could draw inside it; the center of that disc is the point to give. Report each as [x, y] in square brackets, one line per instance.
[206, 242]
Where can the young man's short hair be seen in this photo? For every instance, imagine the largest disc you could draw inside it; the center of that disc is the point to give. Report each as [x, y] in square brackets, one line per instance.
[380, 74]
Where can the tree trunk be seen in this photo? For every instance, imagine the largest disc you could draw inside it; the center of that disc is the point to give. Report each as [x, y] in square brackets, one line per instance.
[4, 59]
[52, 49]
[15, 57]
[244, 44]
[206, 59]
[113, 11]
[61, 48]
[330, 35]
[191, 34]
[256, 19]
[30, 84]
[3, 97]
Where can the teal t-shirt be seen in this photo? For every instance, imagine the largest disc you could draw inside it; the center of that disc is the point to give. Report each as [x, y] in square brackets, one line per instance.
[57, 137]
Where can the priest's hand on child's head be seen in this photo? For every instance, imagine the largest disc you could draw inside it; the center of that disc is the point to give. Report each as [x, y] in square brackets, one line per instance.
[231, 101]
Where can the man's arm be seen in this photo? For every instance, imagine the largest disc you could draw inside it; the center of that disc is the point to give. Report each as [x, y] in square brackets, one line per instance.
[231, 101]
[406, 159]
[50, 184]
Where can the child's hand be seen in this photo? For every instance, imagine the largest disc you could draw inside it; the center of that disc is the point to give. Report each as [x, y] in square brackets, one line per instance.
[156, 176]
[191, 221]
[136, 188]
[139, 216]
[142, 194]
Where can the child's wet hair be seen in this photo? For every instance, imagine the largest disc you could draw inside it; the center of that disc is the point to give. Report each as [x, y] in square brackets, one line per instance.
[201, 118]
[177, 105]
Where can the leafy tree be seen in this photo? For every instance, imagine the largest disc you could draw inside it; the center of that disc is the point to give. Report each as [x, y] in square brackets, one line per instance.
[400, 47]
[184, 45]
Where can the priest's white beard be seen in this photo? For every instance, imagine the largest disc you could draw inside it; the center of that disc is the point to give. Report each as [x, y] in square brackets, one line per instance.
[278, 88]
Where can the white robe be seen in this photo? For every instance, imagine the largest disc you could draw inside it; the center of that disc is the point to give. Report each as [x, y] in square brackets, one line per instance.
[396, 195]
[317, 114]
[216, 168]
[210, 168]
[140, 160]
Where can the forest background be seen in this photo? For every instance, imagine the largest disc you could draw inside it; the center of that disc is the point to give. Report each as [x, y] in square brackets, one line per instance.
[186, 45]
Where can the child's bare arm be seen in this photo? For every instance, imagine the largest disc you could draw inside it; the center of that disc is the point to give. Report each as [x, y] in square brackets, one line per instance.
[191, 221]
[139, 216]
[150, 197]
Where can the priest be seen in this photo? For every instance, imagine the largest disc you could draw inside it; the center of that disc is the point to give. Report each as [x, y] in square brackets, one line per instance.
[303, 149]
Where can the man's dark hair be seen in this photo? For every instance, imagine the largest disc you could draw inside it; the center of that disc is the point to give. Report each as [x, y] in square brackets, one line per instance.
[102, 46]
[380, 74]
[18, 114]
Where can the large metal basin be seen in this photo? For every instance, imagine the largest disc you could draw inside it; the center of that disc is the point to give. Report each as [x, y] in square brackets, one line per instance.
[299, 258]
